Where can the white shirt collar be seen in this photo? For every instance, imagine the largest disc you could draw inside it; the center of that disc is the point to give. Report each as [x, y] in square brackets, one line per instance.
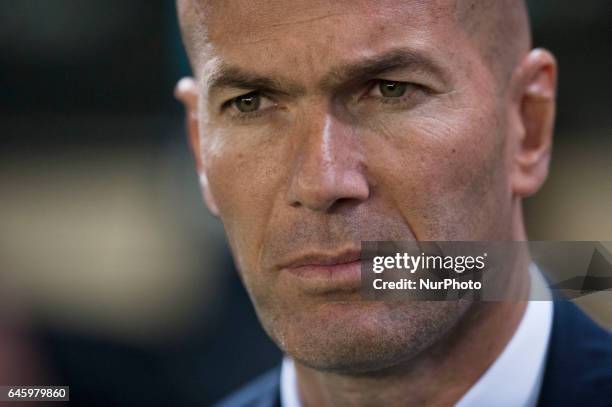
[514, 379]
[288, 384]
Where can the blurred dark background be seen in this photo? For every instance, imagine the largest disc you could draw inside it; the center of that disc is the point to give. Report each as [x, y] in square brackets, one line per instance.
[114, 279]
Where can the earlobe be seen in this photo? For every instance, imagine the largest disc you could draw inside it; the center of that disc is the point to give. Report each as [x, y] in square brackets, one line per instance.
[207, 194]
[186, 92]
[537, 81]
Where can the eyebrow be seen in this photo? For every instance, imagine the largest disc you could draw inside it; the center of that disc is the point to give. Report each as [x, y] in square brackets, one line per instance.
[229, 76]
[368, 68]
[235, 77]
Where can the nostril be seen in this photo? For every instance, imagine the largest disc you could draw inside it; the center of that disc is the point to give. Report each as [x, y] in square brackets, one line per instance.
[342, 203]
[325, 196]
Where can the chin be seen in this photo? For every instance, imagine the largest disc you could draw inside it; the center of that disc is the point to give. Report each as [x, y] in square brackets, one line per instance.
[364, 337]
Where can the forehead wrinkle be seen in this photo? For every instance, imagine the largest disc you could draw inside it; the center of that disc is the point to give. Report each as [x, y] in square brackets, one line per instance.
[307, 20]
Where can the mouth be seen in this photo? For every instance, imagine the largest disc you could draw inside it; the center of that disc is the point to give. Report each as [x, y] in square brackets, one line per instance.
[321, 272]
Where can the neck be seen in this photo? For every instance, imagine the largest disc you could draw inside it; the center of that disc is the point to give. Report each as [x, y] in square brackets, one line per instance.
[456, 362]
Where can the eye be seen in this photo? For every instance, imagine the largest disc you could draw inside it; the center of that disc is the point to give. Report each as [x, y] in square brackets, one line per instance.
[397, 93]
[247, 103]
[391, 89]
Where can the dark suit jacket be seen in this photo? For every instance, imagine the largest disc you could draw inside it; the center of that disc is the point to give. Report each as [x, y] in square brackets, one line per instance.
[578, 367]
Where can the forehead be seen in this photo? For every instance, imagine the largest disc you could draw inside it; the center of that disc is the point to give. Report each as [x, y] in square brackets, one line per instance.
[261, 17]
[308, 36]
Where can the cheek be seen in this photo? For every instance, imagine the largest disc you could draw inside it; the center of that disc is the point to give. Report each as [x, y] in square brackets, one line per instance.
[244, 180]
[444, 173]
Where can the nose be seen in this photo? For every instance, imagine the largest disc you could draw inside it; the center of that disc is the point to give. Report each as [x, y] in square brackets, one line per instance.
[329, 166]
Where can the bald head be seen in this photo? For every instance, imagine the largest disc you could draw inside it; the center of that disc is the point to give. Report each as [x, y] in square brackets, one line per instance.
[500, 28]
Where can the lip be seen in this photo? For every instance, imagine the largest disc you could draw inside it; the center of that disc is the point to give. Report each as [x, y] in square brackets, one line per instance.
[324, 272]
[323, 259]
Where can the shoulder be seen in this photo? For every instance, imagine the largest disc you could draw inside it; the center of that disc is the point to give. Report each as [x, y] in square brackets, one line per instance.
[579, 362]
[261, 392]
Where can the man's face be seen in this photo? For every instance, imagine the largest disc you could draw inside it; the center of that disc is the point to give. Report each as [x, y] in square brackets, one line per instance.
[369, 121]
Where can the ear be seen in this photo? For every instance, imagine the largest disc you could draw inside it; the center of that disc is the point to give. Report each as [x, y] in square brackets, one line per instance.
[186, 91]
[534, 83]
